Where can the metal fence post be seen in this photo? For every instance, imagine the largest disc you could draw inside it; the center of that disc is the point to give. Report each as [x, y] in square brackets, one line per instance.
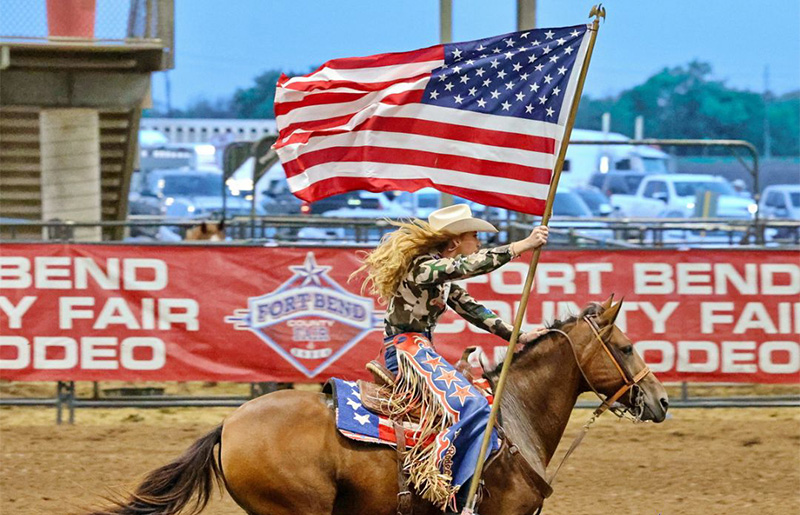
[59, 400]
[71, 401]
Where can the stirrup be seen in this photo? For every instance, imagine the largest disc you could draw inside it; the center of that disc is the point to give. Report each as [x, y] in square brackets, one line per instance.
[381, 374]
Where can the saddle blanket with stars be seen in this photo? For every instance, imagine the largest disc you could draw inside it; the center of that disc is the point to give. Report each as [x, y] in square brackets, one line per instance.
[358, 423]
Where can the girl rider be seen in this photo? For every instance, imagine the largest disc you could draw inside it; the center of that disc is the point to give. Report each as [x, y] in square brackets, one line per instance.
[413, 269]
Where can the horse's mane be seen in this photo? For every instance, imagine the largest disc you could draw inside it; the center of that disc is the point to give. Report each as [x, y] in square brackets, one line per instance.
[593, 309]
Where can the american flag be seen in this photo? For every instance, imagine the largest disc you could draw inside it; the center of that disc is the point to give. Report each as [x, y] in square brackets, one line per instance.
[482, 119]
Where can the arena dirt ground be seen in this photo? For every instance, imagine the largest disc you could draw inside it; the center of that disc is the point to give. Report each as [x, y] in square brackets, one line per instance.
[698, 462]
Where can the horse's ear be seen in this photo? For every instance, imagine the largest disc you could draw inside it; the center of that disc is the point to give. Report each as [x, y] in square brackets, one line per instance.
[607, 304]
[204, 228]
[609, 316]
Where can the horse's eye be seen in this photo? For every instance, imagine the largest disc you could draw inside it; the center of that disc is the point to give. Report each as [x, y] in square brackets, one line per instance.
[628, 350]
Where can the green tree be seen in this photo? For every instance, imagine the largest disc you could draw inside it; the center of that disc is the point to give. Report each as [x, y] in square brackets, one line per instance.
[200, 107]
[683, 102]
[257, 101]
[784, 121]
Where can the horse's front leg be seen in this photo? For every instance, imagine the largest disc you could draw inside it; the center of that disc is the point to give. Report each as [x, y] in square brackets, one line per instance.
[507, 491]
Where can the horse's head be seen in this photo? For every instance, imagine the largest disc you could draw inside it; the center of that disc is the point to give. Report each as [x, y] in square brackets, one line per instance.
[612, 367]
[207, 231]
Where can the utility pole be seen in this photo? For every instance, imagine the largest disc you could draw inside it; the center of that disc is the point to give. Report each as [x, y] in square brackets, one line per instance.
[168, 87]
[526, 19]
[445, 36]
[526, 14]
[766, 97]
[445, 21]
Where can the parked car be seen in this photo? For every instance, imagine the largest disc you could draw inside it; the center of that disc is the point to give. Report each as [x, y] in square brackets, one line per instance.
[582, 161]
[280, 202]
[614, 183]
[365, 204]
[569, 204]
[596, 200]
[425, 201]
[678, 195]
[188, 193]
[340, 201]
[781, 201]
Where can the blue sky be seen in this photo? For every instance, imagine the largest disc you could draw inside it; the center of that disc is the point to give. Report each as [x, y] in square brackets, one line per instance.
[220, 49]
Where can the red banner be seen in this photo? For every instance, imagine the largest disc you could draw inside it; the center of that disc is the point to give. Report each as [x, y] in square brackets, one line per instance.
[103, 312]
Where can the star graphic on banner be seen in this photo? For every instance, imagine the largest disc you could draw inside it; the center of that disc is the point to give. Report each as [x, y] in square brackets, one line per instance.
[353, 404]
[434, 363]
[462, 392]
[448, 376]
[310, 271]
[362, 419]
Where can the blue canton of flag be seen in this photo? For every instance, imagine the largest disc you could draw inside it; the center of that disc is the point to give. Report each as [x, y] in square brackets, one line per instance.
[523, 74]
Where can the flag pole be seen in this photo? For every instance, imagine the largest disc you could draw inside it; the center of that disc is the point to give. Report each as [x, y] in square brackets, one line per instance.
[597, 11]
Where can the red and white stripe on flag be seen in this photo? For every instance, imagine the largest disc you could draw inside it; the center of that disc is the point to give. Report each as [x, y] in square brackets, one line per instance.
[482, 120]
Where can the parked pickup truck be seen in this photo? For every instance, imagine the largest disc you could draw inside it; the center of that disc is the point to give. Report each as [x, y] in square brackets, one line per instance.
[675, 196]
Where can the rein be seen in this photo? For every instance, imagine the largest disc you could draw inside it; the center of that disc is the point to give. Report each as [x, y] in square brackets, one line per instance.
[631, 384]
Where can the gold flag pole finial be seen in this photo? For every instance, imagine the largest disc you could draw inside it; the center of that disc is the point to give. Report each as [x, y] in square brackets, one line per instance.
[598, 11]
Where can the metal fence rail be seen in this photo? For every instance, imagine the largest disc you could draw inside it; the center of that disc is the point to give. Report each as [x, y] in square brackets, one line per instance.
[320, 230]
[67, 400]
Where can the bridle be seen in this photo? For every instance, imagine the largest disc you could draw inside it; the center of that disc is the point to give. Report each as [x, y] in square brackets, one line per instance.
[631, 382]
[631, 385]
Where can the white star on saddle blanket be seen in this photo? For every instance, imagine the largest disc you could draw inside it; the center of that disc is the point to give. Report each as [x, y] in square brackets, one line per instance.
[353, 404]
[362, 419]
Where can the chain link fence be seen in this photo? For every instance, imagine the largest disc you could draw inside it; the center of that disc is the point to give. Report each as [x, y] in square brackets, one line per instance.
[83, 20]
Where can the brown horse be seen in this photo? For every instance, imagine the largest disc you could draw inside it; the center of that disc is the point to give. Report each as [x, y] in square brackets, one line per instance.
[281, 454]
[207, 231]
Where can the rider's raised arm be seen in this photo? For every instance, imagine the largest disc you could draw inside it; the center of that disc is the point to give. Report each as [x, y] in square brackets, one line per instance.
[440, 270]
[476, 313]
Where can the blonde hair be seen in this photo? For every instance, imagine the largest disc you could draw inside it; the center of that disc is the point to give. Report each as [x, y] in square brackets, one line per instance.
[388, 263]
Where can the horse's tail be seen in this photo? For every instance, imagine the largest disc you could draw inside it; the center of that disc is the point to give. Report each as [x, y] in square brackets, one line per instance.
[171, 488]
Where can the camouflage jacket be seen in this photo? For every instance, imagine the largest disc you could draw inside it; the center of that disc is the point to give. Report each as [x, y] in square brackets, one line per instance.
[427, 290]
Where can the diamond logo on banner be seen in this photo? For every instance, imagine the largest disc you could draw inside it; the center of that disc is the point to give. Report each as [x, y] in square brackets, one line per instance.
[310, 320]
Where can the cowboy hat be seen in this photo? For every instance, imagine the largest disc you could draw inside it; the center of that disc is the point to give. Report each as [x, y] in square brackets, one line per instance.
[457, 219]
